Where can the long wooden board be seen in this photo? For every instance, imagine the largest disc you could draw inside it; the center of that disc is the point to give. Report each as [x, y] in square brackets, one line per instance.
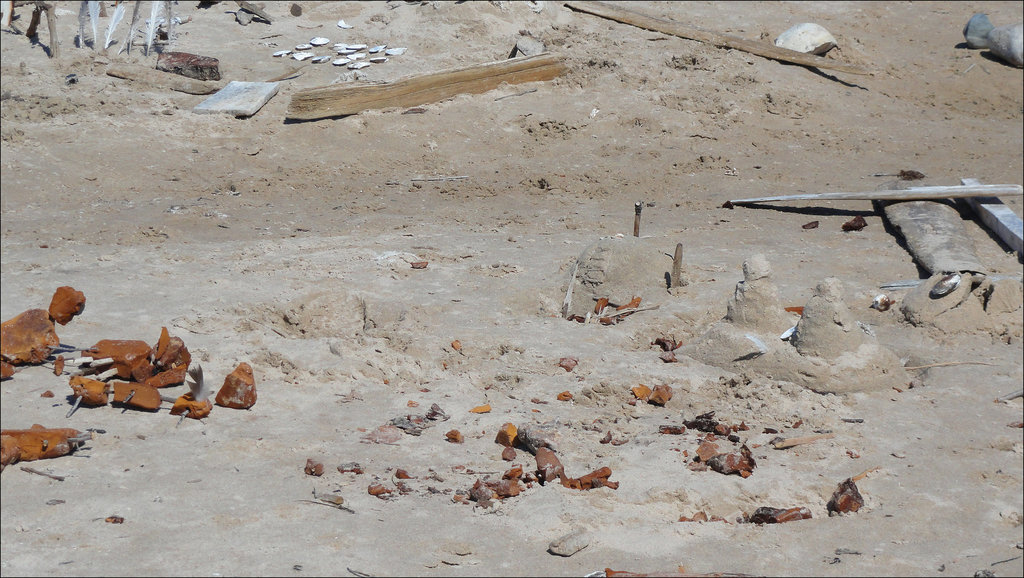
[910, 194]
[341, 100]
[721, 40]
[998, 217]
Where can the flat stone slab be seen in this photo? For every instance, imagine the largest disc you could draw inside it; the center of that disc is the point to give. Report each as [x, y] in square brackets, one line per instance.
[238, 98]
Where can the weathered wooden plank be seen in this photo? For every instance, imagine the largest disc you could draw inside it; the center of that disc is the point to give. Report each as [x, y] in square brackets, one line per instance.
[721, 40]
[998, 217]
[909, 194]
[238, 98]
[161, 79]
[935, 235]
[341, 100]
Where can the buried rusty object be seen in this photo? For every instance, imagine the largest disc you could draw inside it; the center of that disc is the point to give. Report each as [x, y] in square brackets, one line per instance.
[768, 515]
[28, 338]
[845, 499]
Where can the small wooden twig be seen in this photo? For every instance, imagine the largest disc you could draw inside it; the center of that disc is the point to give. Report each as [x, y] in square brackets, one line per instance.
[516, 94]
[865, 473]
[433, 179]
[792, 442]
[44, 474]
[947, 364]
[568, 293]
[1012, 395]
[296, 72]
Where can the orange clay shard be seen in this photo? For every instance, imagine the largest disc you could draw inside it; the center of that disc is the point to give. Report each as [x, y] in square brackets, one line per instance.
[39, 442]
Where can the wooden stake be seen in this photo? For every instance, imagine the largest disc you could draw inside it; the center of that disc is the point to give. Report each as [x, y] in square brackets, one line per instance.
[638, 206]
[677, 267]
[911, 194]
[341, 100]
[721, 40]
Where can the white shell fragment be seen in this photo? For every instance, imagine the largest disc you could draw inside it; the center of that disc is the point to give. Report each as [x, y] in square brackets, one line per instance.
[357, 55]
[356, 46]
[320, 59]
[319, 41]
[341, 61]
[395, 51]
[341, 24]
[1007, 42]
[302, 55]
[788, 333]
[376, 49]
[882, 302]
[379, 59]
[303, 47]
[808, 38]
[945, 286]
[281, 53]
[358, 65]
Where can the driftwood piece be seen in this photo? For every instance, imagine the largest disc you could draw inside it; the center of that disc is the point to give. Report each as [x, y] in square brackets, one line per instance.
[935, 236]
[997, 217]
[161, 79]
[908, 194]
[332, 101]
[681, 30]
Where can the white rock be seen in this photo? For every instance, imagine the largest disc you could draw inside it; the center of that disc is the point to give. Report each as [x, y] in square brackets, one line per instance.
[1007, 42]
[807, 37]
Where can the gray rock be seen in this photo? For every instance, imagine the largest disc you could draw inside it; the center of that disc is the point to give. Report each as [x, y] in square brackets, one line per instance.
[1007, 42]
[976, 31]
[570, 543]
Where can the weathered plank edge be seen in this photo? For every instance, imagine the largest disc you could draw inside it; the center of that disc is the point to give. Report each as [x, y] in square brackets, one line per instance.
[998, 217]
[681, 30]
[331, 101]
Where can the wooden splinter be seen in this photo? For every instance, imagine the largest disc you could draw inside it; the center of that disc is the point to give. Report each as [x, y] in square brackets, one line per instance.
[677, 280]
[638, 206]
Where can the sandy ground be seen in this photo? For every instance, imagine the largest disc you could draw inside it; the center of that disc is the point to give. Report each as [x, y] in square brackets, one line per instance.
[288, 246]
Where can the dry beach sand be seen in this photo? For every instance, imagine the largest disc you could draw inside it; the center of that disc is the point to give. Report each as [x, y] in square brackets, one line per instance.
[288, 246]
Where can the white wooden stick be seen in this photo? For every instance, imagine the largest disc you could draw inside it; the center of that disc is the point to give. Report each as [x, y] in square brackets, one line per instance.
[911, 194]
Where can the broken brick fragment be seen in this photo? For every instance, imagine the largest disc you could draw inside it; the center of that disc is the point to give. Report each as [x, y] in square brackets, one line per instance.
[507, 435]
[189, 65]
[768, 515]
[314, 467]
[741, 464]
[93, 392]
[66, 304]
[660, 394]
[28, 338]
[239, 389]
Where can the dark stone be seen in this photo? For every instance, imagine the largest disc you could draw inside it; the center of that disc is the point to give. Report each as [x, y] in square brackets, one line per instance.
[190, 65]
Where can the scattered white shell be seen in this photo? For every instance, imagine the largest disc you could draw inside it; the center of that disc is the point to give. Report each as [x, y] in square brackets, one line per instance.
[320, 59]
[302, 55]
[807, 37]
[379, 59]
[358, 65]
[1007, 42]
[761, 347]
[341, 24]
[945, 286]
[344, 51]
[395, 51]
[788, 333]
[357, 55]
[882, 302]
[303, 47]
[319, 41]
[376, 49]
[341, 61]
[281, 53]
[357, 46]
